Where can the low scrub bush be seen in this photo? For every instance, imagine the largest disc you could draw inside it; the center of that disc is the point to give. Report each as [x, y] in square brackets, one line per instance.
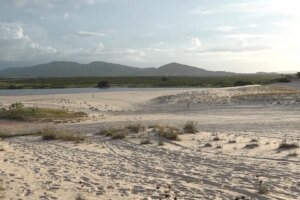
[190, 127]
[52, 134]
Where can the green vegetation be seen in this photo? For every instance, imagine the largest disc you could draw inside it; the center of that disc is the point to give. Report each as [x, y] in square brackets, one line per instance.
[298, 74]
[17, 111]
[52, 134]
[73, 82]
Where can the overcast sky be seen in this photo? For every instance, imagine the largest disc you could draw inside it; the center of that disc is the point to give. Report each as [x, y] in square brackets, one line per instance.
[231, 35]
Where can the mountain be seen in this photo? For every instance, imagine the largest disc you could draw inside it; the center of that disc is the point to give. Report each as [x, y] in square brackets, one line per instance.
[73, 69]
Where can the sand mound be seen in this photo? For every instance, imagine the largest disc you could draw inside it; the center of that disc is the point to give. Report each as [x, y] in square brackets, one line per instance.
[254, 94]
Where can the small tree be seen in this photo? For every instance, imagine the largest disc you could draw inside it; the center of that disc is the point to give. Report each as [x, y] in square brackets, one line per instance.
[103, 84]
[298, 74]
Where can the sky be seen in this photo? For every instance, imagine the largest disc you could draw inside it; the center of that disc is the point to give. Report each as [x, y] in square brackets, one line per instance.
[227, 35]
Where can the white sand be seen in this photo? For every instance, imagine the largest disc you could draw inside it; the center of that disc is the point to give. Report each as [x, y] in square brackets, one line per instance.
[102, 168]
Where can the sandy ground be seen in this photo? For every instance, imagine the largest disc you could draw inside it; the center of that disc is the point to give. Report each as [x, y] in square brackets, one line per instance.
[228, 119]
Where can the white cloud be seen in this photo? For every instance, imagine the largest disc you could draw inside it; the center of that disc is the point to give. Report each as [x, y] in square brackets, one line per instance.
[15, 45]
[196, 42]
[90, 34]
[66, 15]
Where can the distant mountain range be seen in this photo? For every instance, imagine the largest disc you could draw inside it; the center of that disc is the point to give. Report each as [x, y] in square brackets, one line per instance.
[73, 69]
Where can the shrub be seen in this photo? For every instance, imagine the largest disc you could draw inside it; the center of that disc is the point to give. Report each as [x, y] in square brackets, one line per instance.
[216, 139]
[232, 141]
[283, 80]
[103, 84]
[80, 197]
[298, 74]
[207, 145]
[293, 154]
[190, 127]
[52, 134]
[114, 133]
[170, 133]
[164, 78]
[251, 146]
[146, 141]
[285, 145]
[161, 143]
[135, 128]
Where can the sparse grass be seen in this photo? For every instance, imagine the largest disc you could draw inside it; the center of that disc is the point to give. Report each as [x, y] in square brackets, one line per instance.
[52, 134]
[145, 141]
[251, 146]
[190, 127]
[2, 189]
[231, 141]
[253, 140]
[219, 147]
[161, 143]
[262, 188]
[17, 111]
[4, 135]
[167, 132]
[293, 154]
[287, 144]
[114, 133]
[1, 148]
[135, 128]
[216, 139]
[208, 145]
[80, 197]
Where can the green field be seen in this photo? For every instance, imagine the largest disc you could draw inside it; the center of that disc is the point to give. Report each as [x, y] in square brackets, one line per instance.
[75, 82]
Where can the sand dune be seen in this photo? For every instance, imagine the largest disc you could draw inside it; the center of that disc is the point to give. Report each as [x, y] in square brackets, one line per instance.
[231, 120]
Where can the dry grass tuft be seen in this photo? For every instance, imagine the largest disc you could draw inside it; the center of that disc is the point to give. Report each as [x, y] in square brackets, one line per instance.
[145, 141]
[80, 197]
[208, 145]
[114, 133]
[135, 128]
[287, 144]
[190, 127]
[52, 134]
[168, 132]
[251, 146]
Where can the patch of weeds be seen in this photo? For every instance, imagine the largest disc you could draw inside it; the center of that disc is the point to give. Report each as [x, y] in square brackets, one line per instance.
[293, 154]
[231, 141]
[145, 141]
[251, 146]
[287, 144]
[216, 139]
[80, 196]
[190, 127]
[253, 140]
[4, 135]
[135, 128]
[208, 145]
[219, 147]
[2, 148]
[114, 133]
[52, 134]
[170, 133]
[262, 188]
[17, 111]
[161, 143]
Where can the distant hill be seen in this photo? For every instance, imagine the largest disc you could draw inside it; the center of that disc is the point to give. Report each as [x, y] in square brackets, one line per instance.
[73, 69]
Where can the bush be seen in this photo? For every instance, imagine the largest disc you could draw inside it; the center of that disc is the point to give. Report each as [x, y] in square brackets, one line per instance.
[251, 146]
[135, 128]
[170, 133]
[164, 78]
[146, 141]
[52, 134]
[287, 145]
[114, 133]
[190, 127]
[298, 74]
[103, 84]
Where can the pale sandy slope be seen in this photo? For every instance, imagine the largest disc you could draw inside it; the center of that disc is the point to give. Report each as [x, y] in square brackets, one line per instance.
[110, 169]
